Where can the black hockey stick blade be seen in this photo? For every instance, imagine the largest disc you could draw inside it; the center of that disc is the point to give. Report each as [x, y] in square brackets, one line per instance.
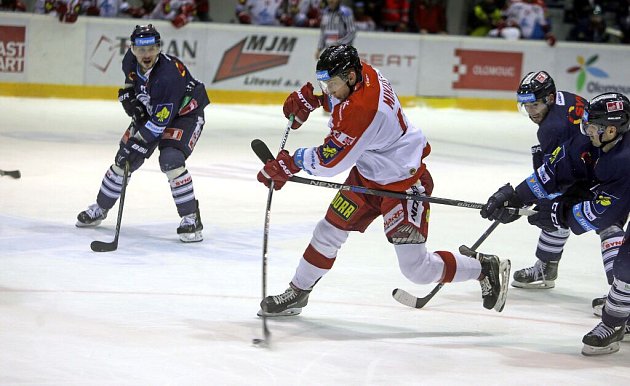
[262, 151]
[102, 246]
[407, 299]
[11, 173]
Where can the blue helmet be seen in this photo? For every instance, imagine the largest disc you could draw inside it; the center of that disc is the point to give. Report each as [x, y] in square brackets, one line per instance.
[145, 35]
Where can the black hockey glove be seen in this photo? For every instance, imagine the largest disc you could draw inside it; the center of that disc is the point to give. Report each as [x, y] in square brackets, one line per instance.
[133, 107]
[130, 152]
[495, 207]
[537, 156]
[549, 216]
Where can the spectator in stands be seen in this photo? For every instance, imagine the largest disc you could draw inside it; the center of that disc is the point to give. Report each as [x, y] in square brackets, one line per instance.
[485, 16]
[623, 21]
[337, 26]
[395, 15]
[258, 12]
[178, 12]
[591, 29]
[362, 20]
[66, 10]
[530, 17]
[203, 10]
[428, 16]
[373, 10]
[12, 6]
[106, 8]
[300, 13]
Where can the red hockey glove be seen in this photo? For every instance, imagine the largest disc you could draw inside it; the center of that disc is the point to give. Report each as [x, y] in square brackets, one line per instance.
[278, 170]
[550, 39]
[300, 103]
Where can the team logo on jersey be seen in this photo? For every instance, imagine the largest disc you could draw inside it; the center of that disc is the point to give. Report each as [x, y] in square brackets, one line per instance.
[343, 207]
[602, 202]
[328, 151]
[557, 155]
[342, 138]
[163, 111]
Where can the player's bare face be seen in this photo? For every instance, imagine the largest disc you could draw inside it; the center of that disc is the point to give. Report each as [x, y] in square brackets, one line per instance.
[537, 111]
[146, 55]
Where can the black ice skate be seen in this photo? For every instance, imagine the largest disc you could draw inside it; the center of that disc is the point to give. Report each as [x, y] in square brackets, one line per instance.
[288, 303]
[91, 217]
[189, 230]
[602, 340]
[494, 285]
[541, 276]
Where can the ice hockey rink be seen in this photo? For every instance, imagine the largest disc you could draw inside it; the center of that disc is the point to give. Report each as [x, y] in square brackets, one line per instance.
[160, 312]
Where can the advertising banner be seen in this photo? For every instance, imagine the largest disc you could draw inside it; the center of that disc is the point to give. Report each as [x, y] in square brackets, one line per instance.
[12, 51]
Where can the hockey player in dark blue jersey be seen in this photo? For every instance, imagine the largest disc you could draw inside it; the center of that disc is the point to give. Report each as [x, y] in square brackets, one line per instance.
[599, 160]
[165, 103]
[558, 115]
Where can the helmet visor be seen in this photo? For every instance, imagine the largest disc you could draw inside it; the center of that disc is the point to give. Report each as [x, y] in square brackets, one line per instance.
[329, 84]
[586, 126]
[152, 49]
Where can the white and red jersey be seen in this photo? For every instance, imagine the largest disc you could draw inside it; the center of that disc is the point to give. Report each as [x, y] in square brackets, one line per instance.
[370, 130]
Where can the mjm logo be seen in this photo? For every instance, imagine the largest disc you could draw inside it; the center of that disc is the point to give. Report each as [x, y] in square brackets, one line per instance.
[254, 53]
[584, 67]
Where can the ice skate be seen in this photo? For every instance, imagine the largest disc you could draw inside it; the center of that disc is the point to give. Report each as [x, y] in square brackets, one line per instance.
[189, 230]
[288, 303]
[602, 340]
[91, 217]
[494, 285]
[541, 276]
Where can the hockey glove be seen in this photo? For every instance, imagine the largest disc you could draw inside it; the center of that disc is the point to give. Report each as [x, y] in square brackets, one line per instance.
[549, 216]
[132, 151]
[300, 103]
[495, 207]
[133, 107]
[537, 156]
[279, 170]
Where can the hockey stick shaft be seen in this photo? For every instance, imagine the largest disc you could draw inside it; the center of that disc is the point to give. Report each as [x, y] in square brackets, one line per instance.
[266, 332]
[11, 173]
[408, 299]
[101, 246]
[262, 151]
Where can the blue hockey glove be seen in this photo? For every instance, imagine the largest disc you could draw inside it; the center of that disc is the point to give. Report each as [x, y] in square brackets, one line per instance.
[550, 215]
[502, 198]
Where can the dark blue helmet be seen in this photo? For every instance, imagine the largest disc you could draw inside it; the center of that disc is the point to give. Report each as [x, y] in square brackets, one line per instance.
[535, 86]
[608, 109]
[145, 35]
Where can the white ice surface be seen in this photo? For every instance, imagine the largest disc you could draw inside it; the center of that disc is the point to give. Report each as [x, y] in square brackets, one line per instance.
[160, 312]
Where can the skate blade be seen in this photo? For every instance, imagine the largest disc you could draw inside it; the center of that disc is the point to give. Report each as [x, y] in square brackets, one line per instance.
[79, 224]
[191, 237]
[287, 312]
[504, 273]
[543, 284]
[593, 351]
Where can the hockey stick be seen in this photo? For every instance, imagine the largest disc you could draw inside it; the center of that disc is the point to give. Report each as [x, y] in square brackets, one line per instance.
[407, 299]
[266, 334]
[102, 246]
[262, 151]
[11, 173]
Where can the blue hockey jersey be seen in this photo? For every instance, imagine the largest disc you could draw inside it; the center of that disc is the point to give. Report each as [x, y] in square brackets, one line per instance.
[167, 90]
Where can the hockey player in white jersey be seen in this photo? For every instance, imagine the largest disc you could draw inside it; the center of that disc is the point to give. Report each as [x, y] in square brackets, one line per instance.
[370, 135]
